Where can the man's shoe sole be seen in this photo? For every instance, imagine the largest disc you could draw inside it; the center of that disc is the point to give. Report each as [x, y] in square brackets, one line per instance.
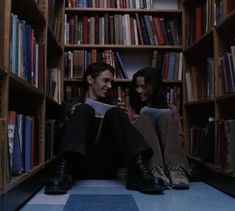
[55, 191]
[178, 187]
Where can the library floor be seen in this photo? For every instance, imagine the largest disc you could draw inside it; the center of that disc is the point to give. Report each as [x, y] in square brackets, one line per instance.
[111, 195]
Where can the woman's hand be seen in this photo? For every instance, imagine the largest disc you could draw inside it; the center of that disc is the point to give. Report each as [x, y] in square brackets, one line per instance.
[74, 107]
[122, 105]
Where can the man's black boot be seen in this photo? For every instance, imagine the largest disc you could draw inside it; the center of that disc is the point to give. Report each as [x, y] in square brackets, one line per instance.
[140, 177]
[62, 182]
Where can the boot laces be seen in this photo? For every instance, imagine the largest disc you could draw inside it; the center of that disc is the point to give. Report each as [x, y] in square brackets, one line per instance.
[178, 172]
[157, 170]
[62, 168]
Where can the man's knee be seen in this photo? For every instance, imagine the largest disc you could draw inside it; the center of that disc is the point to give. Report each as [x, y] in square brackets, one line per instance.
[114, 111]
[84, 108]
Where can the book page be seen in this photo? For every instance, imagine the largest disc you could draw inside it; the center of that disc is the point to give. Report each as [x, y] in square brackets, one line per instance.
[165, 4]
[100, 108]
[156, 113]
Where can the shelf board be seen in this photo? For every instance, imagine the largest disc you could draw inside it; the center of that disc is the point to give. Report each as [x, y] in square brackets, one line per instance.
[205, 40]
[199, 102]
[28, 10]
[73, 80]
[123, 10]
[2, 71]
[210, 166]
[51, 103]
[123, 80]
[16, 180]
[228, 23]
[173, 82]
[19, 84]
[227, 97]
[106, 46]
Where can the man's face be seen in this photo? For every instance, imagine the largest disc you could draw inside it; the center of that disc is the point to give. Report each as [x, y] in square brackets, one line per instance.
[100, 86]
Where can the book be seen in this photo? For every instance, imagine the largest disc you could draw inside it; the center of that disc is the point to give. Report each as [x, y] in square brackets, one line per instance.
[100, 108]
[11, 127]
[17, 167]
[49, 139]
[27, 143]
[188, 79]
[120, 65]
[3, 150]
[156, 113]
[231, 145]
[207, 152]
[158, 30]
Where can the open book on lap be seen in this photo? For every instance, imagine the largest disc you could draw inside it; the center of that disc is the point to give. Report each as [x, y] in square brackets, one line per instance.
[156, 113]
[100, 108]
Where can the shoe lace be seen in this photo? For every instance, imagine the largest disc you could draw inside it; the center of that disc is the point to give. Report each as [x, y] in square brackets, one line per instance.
[178, 172]
[61, 169]
[143, 167]
[158, 171]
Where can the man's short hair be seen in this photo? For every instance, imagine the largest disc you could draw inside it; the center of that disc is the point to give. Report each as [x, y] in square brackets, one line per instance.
[94, 69]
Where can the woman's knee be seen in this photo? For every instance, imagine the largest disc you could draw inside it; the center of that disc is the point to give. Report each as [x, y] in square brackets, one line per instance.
[166, 120]
[145, 122]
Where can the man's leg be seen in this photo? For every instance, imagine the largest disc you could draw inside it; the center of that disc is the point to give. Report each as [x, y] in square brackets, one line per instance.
[73, 149]
[133, 150]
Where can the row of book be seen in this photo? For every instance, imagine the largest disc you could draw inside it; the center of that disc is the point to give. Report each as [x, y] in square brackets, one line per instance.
[26, 54]
[137, 4]
[169, 63]
[215, 146]
[23, 142]
[122, 29]
[226, 69]
[76, 62]
[200, 81]
[54, 84]
[3, 151]
[174, 96]
[222, 9]
[54, 23]
[73, 92]
[200, 21]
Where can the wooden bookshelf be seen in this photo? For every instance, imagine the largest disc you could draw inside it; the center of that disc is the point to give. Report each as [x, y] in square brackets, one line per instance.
[134, 54]
[30, 44]
[214, 41]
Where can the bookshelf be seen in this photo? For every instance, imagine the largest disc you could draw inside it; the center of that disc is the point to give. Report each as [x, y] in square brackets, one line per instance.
[209, 89]
[30, 46]
[123, 34]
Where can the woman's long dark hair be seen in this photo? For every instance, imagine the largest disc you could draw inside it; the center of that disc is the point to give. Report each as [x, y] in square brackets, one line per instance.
[154, 87]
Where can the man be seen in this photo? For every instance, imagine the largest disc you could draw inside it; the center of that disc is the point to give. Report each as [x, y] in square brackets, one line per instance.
[119, 142]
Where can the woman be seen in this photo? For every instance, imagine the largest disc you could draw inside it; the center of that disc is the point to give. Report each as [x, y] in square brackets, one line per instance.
[156, 121]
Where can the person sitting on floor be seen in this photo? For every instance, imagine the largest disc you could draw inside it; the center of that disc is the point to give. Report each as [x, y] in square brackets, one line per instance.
[159, 124]
[119, 143]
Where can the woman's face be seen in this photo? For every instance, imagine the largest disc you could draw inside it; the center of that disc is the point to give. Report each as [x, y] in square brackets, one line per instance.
[142, 90]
